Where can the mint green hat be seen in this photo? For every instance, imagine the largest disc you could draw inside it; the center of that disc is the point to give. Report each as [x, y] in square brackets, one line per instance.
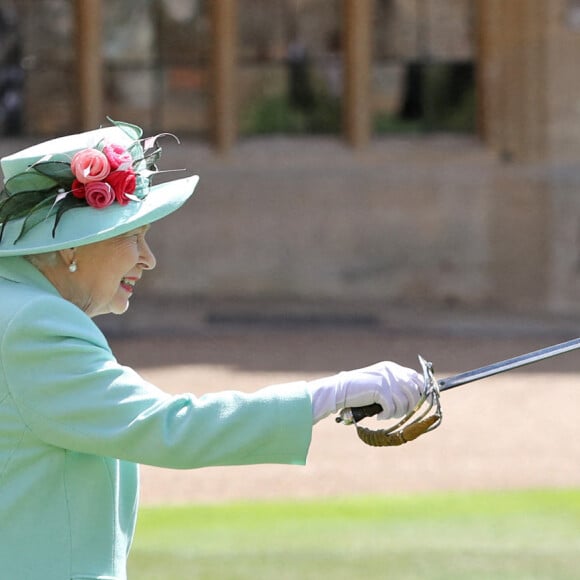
[84, 188]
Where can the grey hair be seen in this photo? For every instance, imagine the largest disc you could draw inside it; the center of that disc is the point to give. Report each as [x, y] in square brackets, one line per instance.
[41, 261]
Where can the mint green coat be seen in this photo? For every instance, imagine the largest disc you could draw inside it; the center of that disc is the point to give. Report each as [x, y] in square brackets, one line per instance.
[74, 425]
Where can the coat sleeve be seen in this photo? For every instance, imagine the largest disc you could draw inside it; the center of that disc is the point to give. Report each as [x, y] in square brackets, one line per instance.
[71, 393]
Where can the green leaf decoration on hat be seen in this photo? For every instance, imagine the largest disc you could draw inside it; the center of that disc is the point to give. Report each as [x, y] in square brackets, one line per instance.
[28, 181]
[133, 131]
[62, 208]
[17, 205]
[36, 215]
[59, 171]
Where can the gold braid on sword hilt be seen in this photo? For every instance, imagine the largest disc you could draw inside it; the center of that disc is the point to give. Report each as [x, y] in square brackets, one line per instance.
[424, 417]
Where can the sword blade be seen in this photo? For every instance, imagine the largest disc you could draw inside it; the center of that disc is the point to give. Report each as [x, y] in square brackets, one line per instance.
[508, 364]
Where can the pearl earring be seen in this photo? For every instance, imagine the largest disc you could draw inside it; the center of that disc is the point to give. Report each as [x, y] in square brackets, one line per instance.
[72, 268]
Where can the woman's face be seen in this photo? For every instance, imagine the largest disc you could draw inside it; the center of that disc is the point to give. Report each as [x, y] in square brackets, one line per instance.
[107, 273]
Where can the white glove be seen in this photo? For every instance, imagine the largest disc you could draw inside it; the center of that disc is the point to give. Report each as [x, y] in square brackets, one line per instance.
[395, 388]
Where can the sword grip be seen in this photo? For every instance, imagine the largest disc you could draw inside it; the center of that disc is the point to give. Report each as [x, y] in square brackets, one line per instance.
[359, 413]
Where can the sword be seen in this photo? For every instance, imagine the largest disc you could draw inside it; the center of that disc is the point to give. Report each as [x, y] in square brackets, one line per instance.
[357, 413]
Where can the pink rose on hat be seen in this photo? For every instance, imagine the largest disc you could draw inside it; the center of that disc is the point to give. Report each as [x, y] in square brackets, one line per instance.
[109, 173]
[90, 165]
[99, 194]
[118, 156]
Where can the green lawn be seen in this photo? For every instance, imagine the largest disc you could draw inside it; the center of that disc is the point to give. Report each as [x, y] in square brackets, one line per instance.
[496, 536]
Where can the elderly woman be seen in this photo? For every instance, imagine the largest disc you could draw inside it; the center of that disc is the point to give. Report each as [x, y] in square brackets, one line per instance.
[74, 423]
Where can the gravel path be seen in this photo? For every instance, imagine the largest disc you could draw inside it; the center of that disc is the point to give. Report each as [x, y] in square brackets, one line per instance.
[517, 430]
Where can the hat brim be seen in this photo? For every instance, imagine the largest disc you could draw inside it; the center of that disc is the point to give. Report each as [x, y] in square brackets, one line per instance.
[87, 225]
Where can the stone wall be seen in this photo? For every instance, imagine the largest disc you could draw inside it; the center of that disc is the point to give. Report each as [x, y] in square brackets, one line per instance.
[405, 221]
[421, 222]
[417, 222]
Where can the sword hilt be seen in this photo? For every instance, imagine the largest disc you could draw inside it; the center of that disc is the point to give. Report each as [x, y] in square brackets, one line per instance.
[352, 415]
[356, 414]
[423, 417]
